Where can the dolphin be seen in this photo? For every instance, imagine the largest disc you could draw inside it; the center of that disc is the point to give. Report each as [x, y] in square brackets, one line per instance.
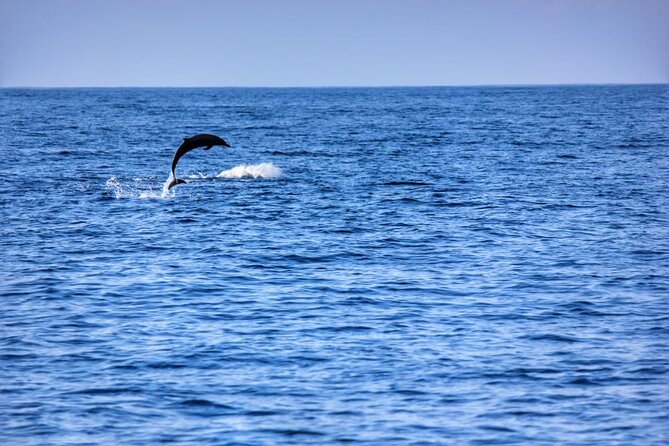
[202, 140]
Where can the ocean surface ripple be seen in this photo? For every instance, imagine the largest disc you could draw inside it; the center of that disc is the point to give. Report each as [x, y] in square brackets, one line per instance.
[364, 266]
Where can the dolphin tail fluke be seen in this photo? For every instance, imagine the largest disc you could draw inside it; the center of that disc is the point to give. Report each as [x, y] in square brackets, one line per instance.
[174, 182]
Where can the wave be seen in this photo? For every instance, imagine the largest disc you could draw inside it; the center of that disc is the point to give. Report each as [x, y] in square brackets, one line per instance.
[263, 170]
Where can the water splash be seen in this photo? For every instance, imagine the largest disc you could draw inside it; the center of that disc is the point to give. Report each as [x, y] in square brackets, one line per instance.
[140, 188]
[166, 188]
[263, 170]
[137, 188]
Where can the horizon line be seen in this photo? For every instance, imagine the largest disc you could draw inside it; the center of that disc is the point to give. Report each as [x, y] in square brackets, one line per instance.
[563, 84]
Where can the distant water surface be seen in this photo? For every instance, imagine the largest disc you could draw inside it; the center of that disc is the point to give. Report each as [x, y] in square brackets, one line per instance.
[363, 266]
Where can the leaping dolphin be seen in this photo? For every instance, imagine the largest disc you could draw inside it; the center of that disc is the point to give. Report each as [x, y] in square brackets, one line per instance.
[202, 140]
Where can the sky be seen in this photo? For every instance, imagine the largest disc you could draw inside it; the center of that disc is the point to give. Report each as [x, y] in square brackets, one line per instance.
[279, 43]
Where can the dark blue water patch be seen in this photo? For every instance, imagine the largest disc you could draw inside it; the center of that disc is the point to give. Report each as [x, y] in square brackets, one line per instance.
[105, 391]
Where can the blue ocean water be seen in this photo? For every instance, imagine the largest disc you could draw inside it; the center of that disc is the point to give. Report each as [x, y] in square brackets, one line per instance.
[363, 266]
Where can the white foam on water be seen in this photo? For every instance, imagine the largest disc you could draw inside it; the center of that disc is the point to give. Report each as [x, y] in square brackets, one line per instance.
[137, 189]
[150, 194]
[263, 170]
[166, 191]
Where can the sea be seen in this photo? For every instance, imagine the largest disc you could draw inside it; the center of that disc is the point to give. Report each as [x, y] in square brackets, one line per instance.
[364, 266]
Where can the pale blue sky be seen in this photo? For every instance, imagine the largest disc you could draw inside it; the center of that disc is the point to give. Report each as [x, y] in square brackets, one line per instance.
[332, 42]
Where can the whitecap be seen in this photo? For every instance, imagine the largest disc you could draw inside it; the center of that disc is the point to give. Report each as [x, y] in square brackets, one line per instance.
[263, 170]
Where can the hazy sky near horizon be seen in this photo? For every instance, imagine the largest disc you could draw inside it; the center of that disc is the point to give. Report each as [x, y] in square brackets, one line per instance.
[332, 42]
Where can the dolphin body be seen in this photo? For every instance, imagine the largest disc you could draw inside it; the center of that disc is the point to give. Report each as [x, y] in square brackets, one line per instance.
[202, 140]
